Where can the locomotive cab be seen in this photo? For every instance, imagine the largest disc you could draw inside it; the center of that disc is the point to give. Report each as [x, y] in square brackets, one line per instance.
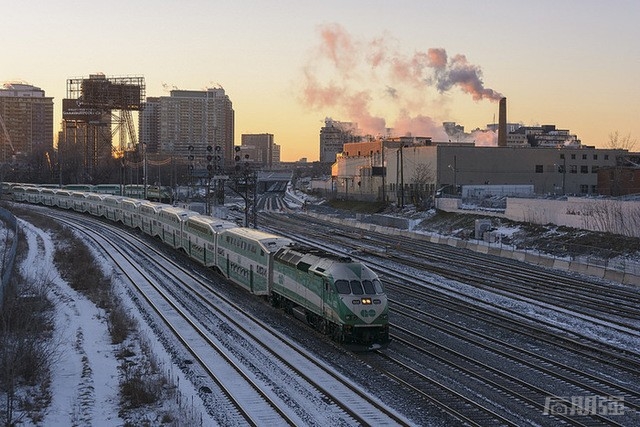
[362, 303]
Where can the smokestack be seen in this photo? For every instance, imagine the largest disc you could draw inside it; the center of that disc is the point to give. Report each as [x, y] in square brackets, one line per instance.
[502, 123]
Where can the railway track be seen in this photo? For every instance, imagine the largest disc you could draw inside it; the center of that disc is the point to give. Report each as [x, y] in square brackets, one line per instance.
[529, 331]
[607, 304]
[529, 327]
[583, 295]
[253, 374]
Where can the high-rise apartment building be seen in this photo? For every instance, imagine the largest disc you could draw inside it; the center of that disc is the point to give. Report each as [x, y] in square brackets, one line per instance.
[187, 122]
[27, 118]
[149, 125]
[333, 136]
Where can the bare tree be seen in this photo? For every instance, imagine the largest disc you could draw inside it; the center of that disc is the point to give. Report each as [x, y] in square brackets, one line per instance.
[26, 350]
[621, 142]
[422, 179]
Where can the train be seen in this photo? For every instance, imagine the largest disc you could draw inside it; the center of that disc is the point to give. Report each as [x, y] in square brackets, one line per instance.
[155, 193]
[338, 296]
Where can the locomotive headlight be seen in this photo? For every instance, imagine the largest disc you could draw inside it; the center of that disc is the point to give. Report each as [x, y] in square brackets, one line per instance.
[355, 302]
[366, 301]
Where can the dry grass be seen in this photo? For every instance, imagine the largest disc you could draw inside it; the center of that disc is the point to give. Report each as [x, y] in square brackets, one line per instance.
[26, 349]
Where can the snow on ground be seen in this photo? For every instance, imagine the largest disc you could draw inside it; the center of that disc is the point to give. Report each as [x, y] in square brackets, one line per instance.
[581, 325]
[84, 386]
[85, 374]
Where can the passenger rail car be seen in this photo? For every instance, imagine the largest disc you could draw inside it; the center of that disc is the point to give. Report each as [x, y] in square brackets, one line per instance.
[171, 221]
[200, 237]
[149, 218]
[130, 215]
[112, 208]
[95, 203]
[338, 296]
[245, 256]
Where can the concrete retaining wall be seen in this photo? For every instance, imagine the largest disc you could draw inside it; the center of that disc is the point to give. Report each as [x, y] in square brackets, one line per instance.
[610, 216]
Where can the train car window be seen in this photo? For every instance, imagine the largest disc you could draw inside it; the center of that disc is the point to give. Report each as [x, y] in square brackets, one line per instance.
[356, 287]
[342, 286]
[368, 287]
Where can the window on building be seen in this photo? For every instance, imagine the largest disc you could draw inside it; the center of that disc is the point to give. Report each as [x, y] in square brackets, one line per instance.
[595, 157]
[561, 168]
[573, 169]
[606, 157]
[584, 169]
[539, 169]
[573, 157]
[584, 157]
[594, 189]
[562, 156]
[594, 169]
[584, 189]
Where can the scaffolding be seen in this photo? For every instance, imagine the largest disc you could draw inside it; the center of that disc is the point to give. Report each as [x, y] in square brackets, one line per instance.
[96, 109]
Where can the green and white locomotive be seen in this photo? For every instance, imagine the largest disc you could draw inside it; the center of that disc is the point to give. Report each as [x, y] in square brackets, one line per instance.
[336, 295]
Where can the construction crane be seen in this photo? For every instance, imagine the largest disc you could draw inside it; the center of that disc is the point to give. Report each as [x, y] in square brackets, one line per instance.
[7, 140]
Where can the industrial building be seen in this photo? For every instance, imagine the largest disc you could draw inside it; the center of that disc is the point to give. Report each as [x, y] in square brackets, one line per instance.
[542, 160]
[419, 171]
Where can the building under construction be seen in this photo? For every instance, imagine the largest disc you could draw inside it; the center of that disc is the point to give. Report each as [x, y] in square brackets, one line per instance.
[95, 110]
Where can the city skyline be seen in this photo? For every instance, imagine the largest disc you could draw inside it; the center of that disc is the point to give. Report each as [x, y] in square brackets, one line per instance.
[407, 65]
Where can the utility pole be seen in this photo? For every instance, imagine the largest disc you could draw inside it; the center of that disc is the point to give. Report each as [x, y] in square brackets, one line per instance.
[401, 177]
[144, 170]
[245, 176]
[384, 174]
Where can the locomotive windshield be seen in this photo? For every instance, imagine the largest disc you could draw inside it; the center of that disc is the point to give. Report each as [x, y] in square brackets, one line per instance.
[355, 287]
[368, 287]
[378, 285]
[342, 286]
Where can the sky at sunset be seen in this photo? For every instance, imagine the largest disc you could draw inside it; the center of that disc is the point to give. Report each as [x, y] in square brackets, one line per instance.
[408, 65]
